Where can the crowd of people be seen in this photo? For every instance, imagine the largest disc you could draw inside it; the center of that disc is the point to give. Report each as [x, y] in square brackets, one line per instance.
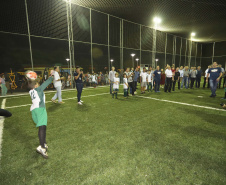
[183, 77]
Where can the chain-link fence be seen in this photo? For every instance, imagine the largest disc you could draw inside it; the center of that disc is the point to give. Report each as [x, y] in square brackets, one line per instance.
[36, 34]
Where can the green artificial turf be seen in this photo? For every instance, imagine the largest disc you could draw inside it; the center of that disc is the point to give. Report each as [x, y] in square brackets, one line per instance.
[124, 141]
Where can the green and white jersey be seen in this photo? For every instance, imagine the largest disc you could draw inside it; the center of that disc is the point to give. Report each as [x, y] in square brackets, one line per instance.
[38, 96]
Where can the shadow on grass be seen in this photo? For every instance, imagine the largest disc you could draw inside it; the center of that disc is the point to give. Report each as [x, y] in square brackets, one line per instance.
[82, 108]
[209, 117]
[53, 107]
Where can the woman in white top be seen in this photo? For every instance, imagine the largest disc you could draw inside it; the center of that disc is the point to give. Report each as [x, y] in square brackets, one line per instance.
[169, 76]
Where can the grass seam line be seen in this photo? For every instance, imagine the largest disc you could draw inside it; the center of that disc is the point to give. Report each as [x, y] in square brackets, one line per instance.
[2, 119]
[181, 103]
[47, 92]
[51, 101]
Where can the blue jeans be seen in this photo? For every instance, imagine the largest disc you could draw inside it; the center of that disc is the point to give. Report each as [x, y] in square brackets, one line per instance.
[185, 79]
[213, 86]
[157, 85]
[58, 94]
[79, 87]
[182, 82]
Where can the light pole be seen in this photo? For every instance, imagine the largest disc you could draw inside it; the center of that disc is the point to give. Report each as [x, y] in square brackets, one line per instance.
[156, 60]
[156, 21]
[133, 58]
[67, 59]
[111, 63]
[137, 61]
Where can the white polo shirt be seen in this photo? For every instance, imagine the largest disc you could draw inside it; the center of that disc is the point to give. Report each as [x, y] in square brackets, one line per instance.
[149, 76]
[181, 73]
[144, 76]
[56, 77]
[169, 73]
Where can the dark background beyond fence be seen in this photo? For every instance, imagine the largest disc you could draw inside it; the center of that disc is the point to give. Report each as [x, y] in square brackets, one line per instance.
[94, 41]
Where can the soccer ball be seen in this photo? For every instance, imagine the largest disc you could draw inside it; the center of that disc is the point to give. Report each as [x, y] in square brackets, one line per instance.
[31, 75]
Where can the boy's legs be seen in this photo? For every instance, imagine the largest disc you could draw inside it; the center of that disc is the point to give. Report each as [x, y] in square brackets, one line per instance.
[125, 92]
[79, 91]
[113, 93]
[116, 93]
[42, 135]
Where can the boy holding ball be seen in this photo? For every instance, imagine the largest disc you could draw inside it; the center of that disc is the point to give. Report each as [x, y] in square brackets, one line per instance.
[38, 111]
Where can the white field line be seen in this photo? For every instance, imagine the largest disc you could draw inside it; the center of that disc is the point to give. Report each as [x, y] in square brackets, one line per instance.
[2, 118]
[47, 92]
[52, 102]
[181, 103]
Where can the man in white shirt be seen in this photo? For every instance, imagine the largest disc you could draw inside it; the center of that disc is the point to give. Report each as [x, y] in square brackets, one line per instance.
[181, 71]
[169, 76]
[111, 78]
[204, 84]
[57, 84]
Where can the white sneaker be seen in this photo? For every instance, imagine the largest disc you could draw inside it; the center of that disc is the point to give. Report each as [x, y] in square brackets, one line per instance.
[80, 103]
[42, 151]
[46, 146]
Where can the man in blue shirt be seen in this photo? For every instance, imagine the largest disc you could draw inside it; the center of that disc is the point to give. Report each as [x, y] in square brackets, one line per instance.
[215, 75]
[157, 75]
[78, 75]
[198, 77]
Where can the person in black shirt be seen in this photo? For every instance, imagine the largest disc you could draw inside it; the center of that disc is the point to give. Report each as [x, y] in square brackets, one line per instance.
[78, 75]
[176, 79]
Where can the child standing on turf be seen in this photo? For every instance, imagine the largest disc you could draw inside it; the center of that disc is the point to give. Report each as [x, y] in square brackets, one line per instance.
[125, 85]
[149, 80]
[38, 112]
[115, 86]
[94, 82]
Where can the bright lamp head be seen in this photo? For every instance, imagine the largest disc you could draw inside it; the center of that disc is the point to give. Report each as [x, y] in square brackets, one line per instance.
[157, 20]
[193, 34]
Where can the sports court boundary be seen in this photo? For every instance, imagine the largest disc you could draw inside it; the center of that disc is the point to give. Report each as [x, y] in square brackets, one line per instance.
[56, 103]
[48, 92]
[181, 103]
[2, 119]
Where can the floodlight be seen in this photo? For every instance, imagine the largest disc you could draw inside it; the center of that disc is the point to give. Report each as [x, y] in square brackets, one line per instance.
[67, 59]
[156, 60]
[133, 54]
[137, 59]
[193, 34]
[112, 60]
[157, 20]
